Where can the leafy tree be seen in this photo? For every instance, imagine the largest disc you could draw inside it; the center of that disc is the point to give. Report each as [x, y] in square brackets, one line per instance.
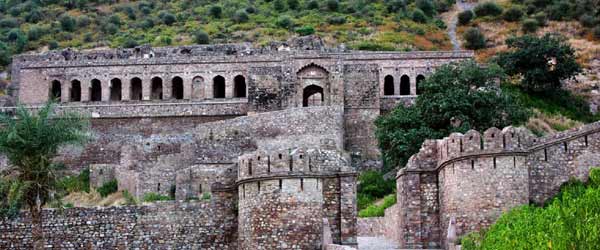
[333, 5]
[167, 18]
[487, 9]
[215, 11]
[279, 5]
[465, 17]
[31, 141]
[457, 97]
[312, 5]
[529, 25]
[201, 37]
[395, 6]
[305, 30]
[67, 22]
[541, 62]
[285, 22]
[293, 4]
[512, 14]
[426, 6]
[240, 16]
[419, 16]
[474, 39]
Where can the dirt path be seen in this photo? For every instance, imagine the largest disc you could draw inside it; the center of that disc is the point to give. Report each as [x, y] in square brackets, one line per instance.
[376, 243]
[451, 19]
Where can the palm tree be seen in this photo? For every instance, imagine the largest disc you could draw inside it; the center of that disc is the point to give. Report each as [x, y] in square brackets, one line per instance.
[30, 140]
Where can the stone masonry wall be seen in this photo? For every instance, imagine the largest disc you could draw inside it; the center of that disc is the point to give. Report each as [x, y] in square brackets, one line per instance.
[163, 225]
[474, 178]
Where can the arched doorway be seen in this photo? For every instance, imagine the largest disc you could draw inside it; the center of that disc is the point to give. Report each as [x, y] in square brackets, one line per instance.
[96, 91]
[312, 96]
[156, 89]
[239, 86]
[419, 88]
[55, 90]
[219, 87]
[177, 88]
[115, 89]
[198, 88]
[75, 91]
[388, 85]
[135, 92]
[404, 85]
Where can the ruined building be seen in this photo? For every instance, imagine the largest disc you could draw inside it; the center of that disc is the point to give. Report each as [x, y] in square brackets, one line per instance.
[273, 136]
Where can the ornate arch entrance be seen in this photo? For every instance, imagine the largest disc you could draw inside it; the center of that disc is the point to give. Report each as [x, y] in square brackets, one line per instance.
[313, 86]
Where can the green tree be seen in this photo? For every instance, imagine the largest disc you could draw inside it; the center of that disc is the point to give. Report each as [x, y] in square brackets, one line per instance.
[487, 9]
[426, 6]
[215, 11]
[457, 97]
[31, 141]
[465, 17]
[542, 63]
[201, 37]
[474, 39]
[419, 16]
[67, 22]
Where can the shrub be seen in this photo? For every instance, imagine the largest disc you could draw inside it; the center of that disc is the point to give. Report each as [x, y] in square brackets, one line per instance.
[332, 5]
[541, 18]
[336, 20]
[206, 196]
[108, 188]
[512, 14]
[587, 20]
[129, 199]
[215, 11]
[240, 16]
[374, 210]
[395, 6]
[250, 10]
[373, 184]
[285, 22]
[488, 9]
[312, 5]
[442, 6]
[9, 22]
[279, 5]
[426, 6]
[419, 16]
[596, 32]
[167, 18]
[474, 39]
[114, 19]
[129, 43]
[79, 183]
[67, 23]
[34, 33]
[529, 25]
[465, 17]
[293, 4]
[305, 30]
[201, 37]
[152, 197]
[83, 21]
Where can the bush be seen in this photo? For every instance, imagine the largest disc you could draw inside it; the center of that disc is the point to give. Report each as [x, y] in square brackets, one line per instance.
[541, 18]
[587, 20]
[285, 22]
[596, 32]
[426, 6]
[488, 9]
[332, 5]
[419, 16]
[312, 5]
[395, 6]
[305, 30]
[336, 20]
[474, 39]
[293, 4]
[167, 18]
[79, 183]
[529, 25]
[206, 196]
[465, 17]
[152, 197]
[512, 14]
[378, 210]
[83, 21]
[67, 23]
[108, 188]
[279, 5]
[240, 16]
[569, 221]
[373, 184]
[201, 37]
[215, 11]
[9, 22]
[34, 33]
[129, 199]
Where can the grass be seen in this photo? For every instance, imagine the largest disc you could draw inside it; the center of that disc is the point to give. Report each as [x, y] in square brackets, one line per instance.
[78, 183]
[378, 210]
[571, 220]
[152, 197]
[108, 188]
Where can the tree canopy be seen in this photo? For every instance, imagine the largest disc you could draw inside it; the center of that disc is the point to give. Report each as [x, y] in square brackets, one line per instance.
[456, 98]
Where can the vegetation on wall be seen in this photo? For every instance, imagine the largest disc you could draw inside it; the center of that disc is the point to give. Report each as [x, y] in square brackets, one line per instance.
[372, 186]
[455, 98]
[571, 220]
[378, 210]
[362, 24]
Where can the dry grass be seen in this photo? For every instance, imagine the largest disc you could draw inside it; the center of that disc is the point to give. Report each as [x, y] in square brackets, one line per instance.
[93, 199]
[542, 124]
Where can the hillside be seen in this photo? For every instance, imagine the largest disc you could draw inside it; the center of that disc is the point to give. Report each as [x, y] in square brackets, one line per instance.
[360, 24]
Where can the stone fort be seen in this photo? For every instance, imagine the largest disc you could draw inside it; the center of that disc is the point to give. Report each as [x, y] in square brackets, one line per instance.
[274, 136]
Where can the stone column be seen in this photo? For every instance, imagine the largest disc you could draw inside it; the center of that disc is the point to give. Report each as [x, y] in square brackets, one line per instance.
[106, 85]
[146, 87]
[228, 87]
[85, 89]
[187, 87]
[348, 212]
[125, 89]
[65, 92]
[167, 87]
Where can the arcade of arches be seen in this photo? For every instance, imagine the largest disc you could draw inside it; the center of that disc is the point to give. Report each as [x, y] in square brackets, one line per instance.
[390, 88]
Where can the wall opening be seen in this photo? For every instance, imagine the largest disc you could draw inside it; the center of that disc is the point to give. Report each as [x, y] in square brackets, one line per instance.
[96, 91]
[156, 89]
[75, 91]
[115, 89]
[404, 85]
[55, 90]
[135, 91]
[219, 87]
[388, 85]
[239, 86]
[177, 88]
[312, 96]
[197, 88]
[418, 86]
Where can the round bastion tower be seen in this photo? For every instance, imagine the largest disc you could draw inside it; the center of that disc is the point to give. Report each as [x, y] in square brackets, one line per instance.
[282, 201]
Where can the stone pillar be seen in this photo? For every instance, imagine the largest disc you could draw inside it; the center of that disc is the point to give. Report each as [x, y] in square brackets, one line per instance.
[146, 87]
[65, 92]
[125, 89]
[228, 87]
[106, 85]
[397, 81]
[167, 87]
[348, 210]
[187, 88]
[413, 83]
[85, 90]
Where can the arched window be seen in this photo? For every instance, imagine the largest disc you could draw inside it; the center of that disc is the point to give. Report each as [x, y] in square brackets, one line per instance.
[420, 78]
[115, 89]
[96, 91]
[157, 90]
[135, 91]
[312, 96]
[177, 88]
[197, 88]
[219, 87]
[239, 86]
[388, 85]
[75, 91]
[55, 90]
[404, 85]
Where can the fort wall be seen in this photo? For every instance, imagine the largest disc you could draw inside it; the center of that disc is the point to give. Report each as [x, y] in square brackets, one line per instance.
[472, 179]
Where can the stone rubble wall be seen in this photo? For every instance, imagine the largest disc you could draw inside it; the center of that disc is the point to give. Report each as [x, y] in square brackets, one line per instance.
[162, 225]
[385, 226]
[475, 177]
